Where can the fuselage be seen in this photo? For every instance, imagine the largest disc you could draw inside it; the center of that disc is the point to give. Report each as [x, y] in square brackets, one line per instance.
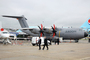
[65, 33]
[71, 33]
[4, 34]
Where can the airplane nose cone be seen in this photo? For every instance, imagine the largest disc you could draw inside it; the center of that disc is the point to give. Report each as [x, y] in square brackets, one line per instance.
[85, 34]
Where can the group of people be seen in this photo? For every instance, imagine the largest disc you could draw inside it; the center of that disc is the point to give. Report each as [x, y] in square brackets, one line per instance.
[45, 43]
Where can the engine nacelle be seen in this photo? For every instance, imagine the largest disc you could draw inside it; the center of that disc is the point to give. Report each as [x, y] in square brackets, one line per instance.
[49, 31]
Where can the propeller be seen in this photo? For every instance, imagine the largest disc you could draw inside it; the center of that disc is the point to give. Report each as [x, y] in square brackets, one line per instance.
[41, 30]
[54, 31]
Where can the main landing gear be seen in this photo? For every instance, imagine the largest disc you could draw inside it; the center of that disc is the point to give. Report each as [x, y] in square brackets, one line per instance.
[76, 40]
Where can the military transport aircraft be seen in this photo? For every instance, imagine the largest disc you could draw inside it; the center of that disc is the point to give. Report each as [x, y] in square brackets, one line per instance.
[65, 33]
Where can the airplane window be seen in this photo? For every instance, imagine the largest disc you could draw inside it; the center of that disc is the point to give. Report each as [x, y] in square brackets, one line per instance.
[70, 31]
[4, 32]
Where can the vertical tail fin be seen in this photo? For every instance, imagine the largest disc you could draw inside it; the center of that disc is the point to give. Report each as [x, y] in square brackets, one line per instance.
[86, 24]
[21, 19]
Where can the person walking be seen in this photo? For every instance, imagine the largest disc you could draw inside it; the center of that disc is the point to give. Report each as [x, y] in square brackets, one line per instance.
[39, 42]
[50, 41]
[58, 41]
[45, 43]
[55, 41]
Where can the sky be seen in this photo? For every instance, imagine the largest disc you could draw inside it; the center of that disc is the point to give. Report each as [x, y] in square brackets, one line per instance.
[64, 13]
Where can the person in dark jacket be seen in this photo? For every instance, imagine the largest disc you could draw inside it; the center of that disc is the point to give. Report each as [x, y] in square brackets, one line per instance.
[55, 41]
[39, 42]
[45, 43]
[50, 41]
[58, 41]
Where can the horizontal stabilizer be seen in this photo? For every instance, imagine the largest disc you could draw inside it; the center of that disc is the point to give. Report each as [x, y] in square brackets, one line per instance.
[12, 16]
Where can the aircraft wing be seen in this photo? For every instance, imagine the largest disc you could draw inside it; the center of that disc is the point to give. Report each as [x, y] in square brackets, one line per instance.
[33, 30]
[26, 28]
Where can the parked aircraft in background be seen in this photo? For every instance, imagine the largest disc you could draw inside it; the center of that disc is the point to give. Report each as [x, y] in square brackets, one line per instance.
[65, 33]
[86, 26]
[4, 36]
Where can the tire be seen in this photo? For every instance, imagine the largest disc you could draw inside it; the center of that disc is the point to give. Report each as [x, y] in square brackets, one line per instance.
[89, 40]
[76, 41]
[33, 44]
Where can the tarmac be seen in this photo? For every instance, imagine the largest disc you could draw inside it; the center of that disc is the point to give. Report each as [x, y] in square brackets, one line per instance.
[63, 51]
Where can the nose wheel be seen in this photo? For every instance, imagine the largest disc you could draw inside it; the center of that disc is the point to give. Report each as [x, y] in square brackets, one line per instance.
[4, 42]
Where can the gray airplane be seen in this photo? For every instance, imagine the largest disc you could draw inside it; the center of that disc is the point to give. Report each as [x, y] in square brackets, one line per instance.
[65, 33]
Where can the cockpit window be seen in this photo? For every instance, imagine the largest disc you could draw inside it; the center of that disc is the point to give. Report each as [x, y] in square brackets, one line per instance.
[4, 32]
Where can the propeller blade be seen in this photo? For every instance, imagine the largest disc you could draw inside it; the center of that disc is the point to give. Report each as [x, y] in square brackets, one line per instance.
[54, 26]
[41, 26]
[41, 35]
[53, 34]
[41, 30]
[54, 30]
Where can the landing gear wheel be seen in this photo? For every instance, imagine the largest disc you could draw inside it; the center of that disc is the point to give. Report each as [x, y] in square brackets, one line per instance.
[76, 41]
